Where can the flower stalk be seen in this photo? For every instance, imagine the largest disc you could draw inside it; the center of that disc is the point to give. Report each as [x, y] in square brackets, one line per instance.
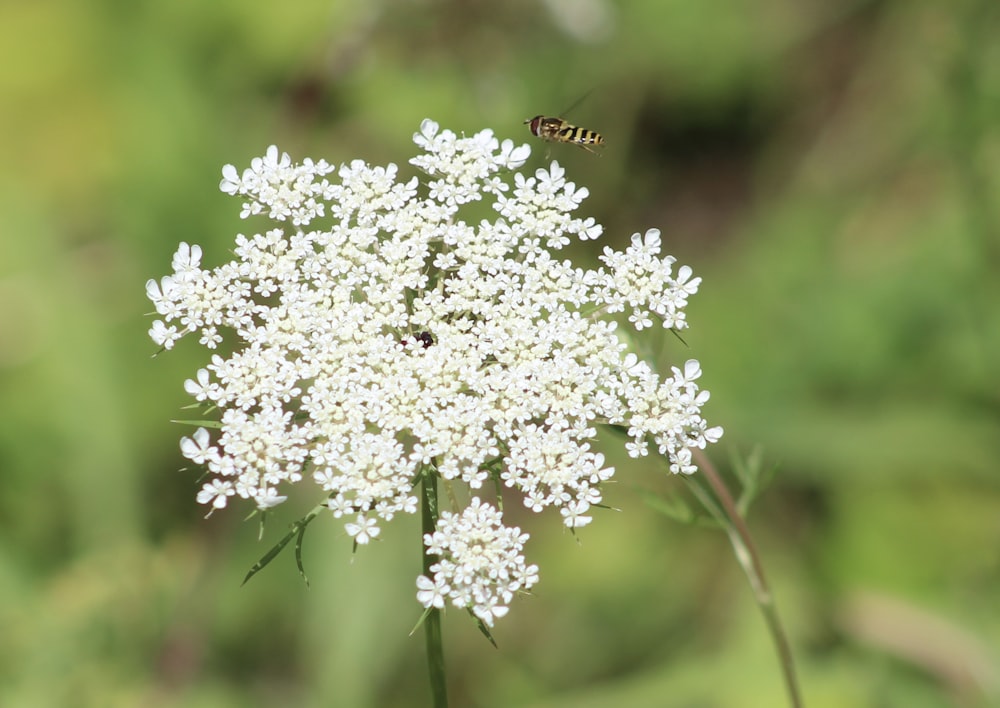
[745, 550]
[432, 619]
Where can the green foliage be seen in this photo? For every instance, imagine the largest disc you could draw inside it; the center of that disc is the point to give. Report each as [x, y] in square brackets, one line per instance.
[298, 532]
[830, 170]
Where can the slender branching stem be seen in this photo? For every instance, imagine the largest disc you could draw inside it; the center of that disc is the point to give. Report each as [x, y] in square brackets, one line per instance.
[749, 560]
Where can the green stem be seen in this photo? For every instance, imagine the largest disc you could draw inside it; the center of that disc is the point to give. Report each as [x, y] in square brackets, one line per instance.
[967, 82]
[432, 622]
[749, 560]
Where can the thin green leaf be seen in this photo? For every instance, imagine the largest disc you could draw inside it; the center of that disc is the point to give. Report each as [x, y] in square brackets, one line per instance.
[420, 621]
[673, 507]
[298, 554]
[605, 506]
[717, 517]
[483, 628]
[298, 529]
[753, 477]
[199, 406]
[270, 555]
[200, 423]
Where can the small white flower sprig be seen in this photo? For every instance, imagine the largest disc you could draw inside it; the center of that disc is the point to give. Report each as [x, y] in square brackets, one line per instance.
[377, 336]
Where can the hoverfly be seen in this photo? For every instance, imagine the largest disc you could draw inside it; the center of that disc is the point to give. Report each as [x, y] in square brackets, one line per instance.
[556, 130]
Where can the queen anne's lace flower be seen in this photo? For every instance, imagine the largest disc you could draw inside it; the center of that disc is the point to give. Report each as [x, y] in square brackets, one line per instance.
[373, 332]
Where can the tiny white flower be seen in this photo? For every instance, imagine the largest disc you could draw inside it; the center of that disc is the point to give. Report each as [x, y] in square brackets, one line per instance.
[487, 612]
[198, 447]
[574, 514]
[216, 493]
[153, 291]
[431, 593]
[267, 498]
[187, 258]
[363, 530]
[692, 371]
[230, 183]
[163, 335]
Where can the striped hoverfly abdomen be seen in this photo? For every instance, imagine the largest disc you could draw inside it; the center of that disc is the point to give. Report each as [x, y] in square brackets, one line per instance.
[556, 130]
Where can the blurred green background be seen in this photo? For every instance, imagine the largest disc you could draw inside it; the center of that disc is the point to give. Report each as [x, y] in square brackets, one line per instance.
[829, 168]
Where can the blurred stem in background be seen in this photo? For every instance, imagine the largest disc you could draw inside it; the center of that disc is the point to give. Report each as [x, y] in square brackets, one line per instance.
[969, 129]
[723, 509]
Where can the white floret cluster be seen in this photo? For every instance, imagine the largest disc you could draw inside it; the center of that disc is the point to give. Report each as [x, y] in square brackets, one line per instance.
[374, 333]
[479, 563]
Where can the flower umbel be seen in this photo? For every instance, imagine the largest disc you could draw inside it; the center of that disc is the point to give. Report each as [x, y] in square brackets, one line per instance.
[480, 563]
[374, 333]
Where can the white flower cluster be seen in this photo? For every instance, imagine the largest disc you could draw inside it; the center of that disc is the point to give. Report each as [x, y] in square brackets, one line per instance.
[375, 333]
[479, 564]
